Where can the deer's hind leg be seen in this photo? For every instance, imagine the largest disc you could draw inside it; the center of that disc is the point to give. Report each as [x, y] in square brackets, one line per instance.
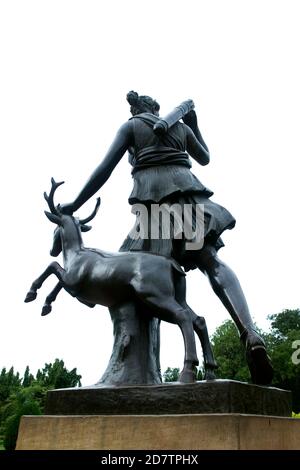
[160, 297]
[210, 364]
[171, 311]
[200, 328]
[53, 268]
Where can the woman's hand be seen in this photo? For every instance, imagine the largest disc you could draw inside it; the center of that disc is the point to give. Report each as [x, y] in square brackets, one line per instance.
[190, 119]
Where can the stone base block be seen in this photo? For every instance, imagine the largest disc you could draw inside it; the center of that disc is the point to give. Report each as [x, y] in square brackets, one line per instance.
[215, 396]
[160, 432]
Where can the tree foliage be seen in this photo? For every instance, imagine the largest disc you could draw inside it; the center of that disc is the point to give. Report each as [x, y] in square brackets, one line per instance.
[285, 330]
[19, 396]
[9, 382]
[57, 376]
[284, 322]
[24, 402]
[171, 374]
[28, 378]
[229, 353]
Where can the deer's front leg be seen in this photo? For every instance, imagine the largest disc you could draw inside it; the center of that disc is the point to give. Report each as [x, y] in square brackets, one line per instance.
[53, 268]
[50, 298]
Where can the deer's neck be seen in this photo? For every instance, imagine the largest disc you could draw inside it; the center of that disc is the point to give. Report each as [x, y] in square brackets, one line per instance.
[71, 239]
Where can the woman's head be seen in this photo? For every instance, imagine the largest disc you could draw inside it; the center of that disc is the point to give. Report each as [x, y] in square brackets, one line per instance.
[142, 104]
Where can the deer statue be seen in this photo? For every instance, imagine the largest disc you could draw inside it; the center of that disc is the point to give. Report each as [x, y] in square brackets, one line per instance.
[97, 277]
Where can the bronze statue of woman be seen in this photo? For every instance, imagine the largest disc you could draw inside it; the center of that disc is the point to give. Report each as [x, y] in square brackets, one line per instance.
[161, 171]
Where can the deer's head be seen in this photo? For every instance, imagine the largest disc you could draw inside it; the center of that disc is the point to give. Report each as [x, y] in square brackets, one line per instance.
[59, 218]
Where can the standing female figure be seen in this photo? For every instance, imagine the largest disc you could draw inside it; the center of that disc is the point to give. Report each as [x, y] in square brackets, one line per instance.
[161, 170]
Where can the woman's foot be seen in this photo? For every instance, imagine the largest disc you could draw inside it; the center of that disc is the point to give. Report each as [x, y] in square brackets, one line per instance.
[259, 362]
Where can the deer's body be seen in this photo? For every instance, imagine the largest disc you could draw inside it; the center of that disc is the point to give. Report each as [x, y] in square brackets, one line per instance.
[108, 279]
[103, 278]
[97, 277]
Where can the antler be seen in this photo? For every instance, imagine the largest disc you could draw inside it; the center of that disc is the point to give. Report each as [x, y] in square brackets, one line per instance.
[49, 198]
[88, 219]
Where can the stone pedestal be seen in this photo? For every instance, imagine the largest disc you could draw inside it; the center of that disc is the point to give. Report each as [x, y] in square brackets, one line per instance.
[221, 414]
[161, 432]
[215, 396]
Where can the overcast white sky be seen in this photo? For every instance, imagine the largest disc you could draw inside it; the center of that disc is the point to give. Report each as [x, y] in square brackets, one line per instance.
[66, 67]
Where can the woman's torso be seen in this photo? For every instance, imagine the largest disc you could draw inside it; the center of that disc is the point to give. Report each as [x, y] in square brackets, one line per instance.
[161, 166]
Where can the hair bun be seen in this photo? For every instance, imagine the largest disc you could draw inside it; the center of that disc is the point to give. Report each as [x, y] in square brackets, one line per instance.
[132, 98]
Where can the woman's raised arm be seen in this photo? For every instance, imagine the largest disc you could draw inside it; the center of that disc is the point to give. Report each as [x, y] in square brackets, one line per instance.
[195, 144]
[196, 148]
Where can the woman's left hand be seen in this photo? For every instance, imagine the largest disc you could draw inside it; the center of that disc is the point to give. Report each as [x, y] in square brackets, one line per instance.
[190, 119]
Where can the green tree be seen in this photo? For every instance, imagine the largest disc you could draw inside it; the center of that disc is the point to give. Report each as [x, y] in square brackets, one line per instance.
[171, 374]
[27, 395]
[57, 376]
[284, 322]
[9, 382]
[229, 353]
[285, 330]
[24, 402]
[28, 378]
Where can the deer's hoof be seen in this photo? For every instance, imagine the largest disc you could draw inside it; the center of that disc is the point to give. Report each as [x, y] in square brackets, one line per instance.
[31, 295]
[209, 375]
[46, 309]
[187, 377]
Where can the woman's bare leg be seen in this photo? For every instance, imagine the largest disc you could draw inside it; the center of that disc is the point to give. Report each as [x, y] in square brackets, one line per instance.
[227, 287]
